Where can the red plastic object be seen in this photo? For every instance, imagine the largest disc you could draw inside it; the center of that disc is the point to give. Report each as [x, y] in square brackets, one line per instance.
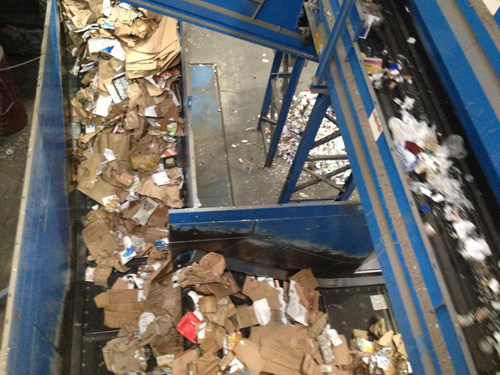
[187, 326]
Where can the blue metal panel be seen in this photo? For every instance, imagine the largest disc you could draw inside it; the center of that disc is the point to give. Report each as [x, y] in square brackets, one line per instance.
[497, 17]
[39, 281]
[324, 227]
[274, 27]
[472, 105]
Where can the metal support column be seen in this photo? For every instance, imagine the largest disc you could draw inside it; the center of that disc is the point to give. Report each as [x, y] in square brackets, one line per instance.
[348, 189]
[313, 124]
[287, 101]
[333, 39]
[278, 56]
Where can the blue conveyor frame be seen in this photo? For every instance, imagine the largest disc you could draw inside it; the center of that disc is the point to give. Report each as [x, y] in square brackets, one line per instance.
[466, 60]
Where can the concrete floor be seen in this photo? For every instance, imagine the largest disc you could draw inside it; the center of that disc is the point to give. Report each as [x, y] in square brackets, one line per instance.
[243, 70]
[13, 151]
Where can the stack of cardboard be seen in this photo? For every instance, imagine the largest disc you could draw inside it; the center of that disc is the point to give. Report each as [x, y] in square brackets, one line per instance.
[128, 106]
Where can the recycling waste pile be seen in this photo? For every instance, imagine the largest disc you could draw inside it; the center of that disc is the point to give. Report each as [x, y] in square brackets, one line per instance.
[435, 161]
[295, 125]
[204, 319]
[128, 106]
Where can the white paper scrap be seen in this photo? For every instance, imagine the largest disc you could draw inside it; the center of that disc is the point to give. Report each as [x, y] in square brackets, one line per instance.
[110, 46]
[106, 7]
[150, 111]
[102, 105]
[263, 311]
[113, 93]
[295, 309]
[161, 178]
[109, 154]
[378, 302]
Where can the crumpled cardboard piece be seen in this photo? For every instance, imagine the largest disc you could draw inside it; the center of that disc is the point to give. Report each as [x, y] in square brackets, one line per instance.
[183, 361]
[118, 143]
[310, 367]
[98, 239]
[226, 287]
[341, 353]
[159, 218]
[306, 279]
[122, 355]
[378, 328]
[102, 274]
[249, 354]
[258, 290]
[245, 317]
[86, 174]
[120, 306]
[225, 310]
[208, 270]
[169, 194]
[208, 304]
[213, 339]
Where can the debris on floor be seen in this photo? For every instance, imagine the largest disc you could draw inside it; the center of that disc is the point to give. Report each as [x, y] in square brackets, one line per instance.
[296, 122]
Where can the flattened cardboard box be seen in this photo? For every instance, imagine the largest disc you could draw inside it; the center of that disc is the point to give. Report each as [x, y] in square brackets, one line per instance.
[245, 317]
[248, 353]
[98, 239]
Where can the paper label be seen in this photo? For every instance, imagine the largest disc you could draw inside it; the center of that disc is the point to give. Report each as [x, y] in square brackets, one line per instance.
[378, 302]
[374, 122]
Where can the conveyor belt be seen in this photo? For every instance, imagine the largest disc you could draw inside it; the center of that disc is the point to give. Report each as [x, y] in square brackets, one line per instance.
[432, 103]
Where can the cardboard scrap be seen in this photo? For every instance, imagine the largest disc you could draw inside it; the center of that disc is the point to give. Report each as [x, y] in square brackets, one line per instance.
[208, 270]
[258, 290]
[122, 356]
[249, 354]
[98, 239]
[120, 306]
[245, 317]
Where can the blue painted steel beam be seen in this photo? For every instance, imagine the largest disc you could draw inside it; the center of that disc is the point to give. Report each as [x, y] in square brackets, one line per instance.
[487, 35]
[333, 39]
[275, 25]
[313, 124]
[40, 261]
[275, 212]
[285, 106]
[275, 68]
[349, 188]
